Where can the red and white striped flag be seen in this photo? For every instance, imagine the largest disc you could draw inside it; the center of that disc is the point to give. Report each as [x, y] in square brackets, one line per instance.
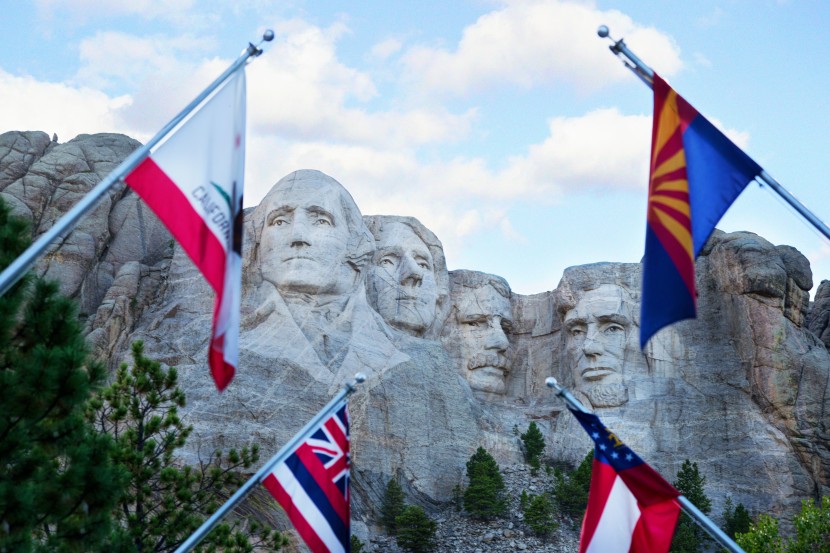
[193, 182]
[631, 508]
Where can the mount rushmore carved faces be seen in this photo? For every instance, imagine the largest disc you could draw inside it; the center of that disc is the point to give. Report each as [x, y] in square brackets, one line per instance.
[479, 323]
[313, 239]
[407, 281]
[314, 248]
[598, 331]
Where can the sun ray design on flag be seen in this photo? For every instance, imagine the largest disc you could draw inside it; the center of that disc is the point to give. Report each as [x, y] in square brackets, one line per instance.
[669, 213]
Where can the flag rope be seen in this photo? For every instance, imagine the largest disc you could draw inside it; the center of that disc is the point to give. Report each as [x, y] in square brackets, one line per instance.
[646, 74]
[688, 507]
[24, 261]
[268, 467]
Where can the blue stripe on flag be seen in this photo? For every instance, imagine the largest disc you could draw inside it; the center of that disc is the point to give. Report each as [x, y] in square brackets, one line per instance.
[317, 495]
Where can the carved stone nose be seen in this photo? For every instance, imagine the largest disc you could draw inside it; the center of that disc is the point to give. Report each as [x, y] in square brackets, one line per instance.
[410, 273]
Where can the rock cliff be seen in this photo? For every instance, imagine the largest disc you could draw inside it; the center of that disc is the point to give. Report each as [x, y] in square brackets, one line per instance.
[455, 359]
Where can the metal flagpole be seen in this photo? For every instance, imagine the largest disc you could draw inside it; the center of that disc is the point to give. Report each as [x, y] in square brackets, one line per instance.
[702, 520]
[646, 74]
[18, 268]
[266, 469]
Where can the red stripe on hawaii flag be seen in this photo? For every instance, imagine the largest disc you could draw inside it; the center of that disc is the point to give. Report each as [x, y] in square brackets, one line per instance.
[631, 508]
[193, 182]
[312, 485]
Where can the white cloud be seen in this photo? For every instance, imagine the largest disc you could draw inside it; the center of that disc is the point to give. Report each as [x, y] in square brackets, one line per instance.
[387, 48]
[109, 57]
[602, 149]
[29, 104]
[301, 90]
[531, 42]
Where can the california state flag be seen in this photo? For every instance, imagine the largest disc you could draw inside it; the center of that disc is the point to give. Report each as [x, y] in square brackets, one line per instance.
[193, 183]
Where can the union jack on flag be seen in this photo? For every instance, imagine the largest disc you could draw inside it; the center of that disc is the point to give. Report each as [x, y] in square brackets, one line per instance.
[312, 485]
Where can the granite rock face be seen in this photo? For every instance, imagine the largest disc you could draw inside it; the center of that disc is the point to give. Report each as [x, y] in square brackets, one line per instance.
[42, 179]
[819, 317]
[455, 359]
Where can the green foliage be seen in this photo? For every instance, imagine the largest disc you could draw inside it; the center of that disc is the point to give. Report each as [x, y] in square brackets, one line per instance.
[524, 499]
[164, 503]
[762, 537]
[812, 528]
[57, 483]
[538, 511]
[484, 497]
[416, 531]
[735, 518]
[392, 506]
[534, 444]
[571, 488]
[458, 497]
[356, 544]
[812, 532]
[689, 537]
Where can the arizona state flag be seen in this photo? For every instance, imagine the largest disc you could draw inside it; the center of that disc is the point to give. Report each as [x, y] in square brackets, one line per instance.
[193, 182]
[696, 173]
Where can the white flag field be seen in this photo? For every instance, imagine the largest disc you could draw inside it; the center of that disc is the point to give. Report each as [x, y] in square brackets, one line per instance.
[193, 182]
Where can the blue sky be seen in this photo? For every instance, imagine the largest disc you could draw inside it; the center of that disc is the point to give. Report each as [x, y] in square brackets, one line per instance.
[507, 127]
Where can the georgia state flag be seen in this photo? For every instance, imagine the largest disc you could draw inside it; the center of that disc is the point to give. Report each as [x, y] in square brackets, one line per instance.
[631, 508]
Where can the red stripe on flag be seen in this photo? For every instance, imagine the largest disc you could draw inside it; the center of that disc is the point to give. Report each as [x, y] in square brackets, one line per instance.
[297, 519]
[171, 206]
[221, 371]
[655, 528]
[602, 480]
[323, 478]
[680, 256]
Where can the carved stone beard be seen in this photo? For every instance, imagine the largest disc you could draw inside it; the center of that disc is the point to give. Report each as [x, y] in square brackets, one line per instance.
[607, 395]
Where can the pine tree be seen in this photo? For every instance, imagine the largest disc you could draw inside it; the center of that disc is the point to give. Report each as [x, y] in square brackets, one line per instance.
[689, 537]
[392, 506]
[736, 519]
[484, 497]
[164, 502]
[57, 483]
[538, 514]
[416, 531]
[534, 444]
[571, 489]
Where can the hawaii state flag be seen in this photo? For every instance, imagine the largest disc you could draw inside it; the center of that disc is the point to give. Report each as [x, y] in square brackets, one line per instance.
[193, 182]
[696, 173]
[631, 508]
[312, 485]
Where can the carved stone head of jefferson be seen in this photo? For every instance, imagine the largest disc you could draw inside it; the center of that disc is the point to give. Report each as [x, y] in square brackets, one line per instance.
[407, 282]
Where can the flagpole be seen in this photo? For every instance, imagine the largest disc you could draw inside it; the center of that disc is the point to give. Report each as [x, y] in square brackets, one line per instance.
[702, 520]
[646, 74]
[268, 467]
[23, 263]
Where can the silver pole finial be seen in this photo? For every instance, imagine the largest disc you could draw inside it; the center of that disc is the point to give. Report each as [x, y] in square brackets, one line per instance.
[603, 31]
